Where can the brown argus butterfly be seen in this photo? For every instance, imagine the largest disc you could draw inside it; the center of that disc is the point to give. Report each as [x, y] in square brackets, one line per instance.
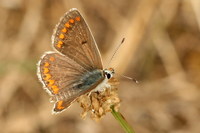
[75, 68]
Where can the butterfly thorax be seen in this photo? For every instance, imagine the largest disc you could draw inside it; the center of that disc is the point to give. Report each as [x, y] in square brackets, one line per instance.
[91, 79]
[107, 74]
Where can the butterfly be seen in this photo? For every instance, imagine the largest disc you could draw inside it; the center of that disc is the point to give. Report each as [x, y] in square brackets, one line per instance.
[75, 67]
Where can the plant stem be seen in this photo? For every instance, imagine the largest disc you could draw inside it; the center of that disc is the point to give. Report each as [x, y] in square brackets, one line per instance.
[118, 116]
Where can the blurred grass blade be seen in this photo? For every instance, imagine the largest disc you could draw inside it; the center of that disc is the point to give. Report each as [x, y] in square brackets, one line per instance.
[118, 116]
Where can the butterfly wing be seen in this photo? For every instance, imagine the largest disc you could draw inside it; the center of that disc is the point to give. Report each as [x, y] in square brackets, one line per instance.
[77, 67]
[57, 71]
[72, 37]
[65, 79]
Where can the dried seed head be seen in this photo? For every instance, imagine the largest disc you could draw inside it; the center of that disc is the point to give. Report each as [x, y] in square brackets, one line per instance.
[99, 103]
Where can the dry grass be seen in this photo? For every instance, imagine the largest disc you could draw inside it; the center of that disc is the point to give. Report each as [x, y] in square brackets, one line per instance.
[161, 50]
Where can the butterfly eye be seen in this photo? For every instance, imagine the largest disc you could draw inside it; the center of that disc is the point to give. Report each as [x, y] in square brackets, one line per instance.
[108, 75]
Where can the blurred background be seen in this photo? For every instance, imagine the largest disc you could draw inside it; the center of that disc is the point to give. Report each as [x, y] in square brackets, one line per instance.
[161, 50]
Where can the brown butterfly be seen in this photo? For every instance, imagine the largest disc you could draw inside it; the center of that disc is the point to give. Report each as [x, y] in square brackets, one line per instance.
[75, 68]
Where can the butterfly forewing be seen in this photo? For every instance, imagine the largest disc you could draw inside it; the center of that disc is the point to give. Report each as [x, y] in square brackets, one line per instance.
[72, 37]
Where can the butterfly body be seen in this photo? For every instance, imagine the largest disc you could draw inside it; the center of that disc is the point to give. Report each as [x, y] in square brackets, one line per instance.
[75, 68]
[91, 79]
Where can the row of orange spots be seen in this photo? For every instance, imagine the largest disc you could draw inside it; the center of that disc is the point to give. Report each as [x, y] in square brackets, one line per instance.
[65, 29]
[60, 105]
[51, 83]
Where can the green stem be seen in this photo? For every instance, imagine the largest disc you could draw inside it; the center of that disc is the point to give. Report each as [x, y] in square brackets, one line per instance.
[118, 116]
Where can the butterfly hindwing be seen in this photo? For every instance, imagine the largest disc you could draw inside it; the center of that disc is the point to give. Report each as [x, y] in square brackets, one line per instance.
[65, 80]
[62, 105]
[57, 72]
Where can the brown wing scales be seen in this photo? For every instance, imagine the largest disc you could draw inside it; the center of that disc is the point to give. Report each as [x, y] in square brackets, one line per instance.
[68, 74]
[58, 71]
[72, 37]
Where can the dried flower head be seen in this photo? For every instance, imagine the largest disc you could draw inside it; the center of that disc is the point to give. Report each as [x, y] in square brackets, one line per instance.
[99, 103]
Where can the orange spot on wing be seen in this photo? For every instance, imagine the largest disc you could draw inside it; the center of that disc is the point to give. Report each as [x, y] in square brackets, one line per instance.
[61, 36]
[71, 21]
[60, 42]
[78, 18]
[52, 59]
[46, 64]
[47, 76]
[60, 105]
[51, 82]
[64, 30]
[55, 89]
[59, 45]
[67, 25]
[46, 70]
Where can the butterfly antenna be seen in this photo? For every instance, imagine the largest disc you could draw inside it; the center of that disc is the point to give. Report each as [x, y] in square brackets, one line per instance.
[133, 79]
[116, 51]
[129, 78]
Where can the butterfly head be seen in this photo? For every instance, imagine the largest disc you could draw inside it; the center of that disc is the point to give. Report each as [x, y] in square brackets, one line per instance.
[108, 73]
